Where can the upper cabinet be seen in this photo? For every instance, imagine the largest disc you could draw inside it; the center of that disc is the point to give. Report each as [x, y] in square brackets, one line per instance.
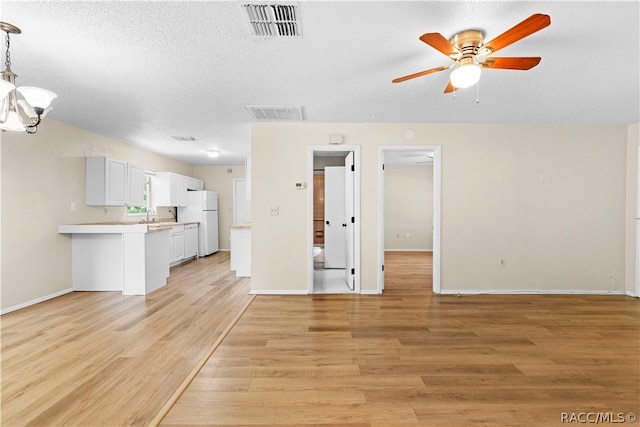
[135, 185]
[171, 188]
[195, 184]
[111, 182]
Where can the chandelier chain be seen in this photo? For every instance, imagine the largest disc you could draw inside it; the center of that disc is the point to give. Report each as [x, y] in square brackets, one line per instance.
[7, 62]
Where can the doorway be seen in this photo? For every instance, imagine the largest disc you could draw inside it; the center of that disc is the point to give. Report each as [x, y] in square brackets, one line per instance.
[411, 156]
[334, 226]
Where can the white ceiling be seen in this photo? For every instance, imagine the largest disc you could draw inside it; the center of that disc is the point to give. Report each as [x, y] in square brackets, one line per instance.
[142, 72]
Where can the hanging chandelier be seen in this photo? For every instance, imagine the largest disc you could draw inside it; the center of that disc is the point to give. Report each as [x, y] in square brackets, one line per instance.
[25, 112]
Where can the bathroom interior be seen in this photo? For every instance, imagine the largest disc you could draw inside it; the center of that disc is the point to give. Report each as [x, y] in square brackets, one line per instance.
[329, 268]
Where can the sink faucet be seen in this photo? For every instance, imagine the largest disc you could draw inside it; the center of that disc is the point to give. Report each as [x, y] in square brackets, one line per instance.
[150, 211]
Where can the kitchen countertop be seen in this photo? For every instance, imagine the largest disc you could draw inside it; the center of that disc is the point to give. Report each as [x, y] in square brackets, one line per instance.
[119, 227]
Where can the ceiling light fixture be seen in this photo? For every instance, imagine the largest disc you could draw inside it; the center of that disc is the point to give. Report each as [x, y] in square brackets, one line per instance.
[22, 114]
[213, 153]
[465, 75]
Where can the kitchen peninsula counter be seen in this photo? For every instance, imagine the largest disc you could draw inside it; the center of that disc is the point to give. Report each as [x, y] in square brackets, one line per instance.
[132, 258]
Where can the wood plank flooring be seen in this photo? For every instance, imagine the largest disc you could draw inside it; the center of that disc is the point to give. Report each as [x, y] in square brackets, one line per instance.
[100, 358]
[413, 358]
[407, 357]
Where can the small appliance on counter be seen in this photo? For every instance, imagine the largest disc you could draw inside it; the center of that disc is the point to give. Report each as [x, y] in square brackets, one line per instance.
[202, 206]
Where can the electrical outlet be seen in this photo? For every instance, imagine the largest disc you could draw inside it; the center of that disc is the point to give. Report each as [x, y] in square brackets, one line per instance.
[408, 235]
[73, 207]
[274, 211]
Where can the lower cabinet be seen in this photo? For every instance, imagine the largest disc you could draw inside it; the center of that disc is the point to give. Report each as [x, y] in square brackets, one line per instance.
[176, 244]
[183, 243]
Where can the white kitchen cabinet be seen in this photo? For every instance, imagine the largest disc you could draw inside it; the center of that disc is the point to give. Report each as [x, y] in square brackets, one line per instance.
[111, 182]
[190, 241]
[194, 184]
[182, 190]
[176, 244]
[135, 185]
[105, 182]
[171, 189]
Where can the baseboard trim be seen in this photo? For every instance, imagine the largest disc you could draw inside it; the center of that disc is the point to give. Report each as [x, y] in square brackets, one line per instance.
[533, 292]
[36, 301]
[278, 292]
[632, 294]
[369, 292]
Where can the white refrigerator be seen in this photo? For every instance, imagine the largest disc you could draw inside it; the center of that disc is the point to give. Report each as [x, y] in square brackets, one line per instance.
[202, 206]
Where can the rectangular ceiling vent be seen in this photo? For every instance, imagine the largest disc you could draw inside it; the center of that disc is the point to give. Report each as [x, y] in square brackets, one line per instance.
[275, 113]
[183, 138]
[273, 20]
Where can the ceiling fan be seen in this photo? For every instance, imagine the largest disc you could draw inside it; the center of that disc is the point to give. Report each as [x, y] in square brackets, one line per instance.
[471, 54]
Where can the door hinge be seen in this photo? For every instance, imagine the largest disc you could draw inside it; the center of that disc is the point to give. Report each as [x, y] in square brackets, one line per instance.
[353, 271]
[382, 267]
[353, 168]
[383, 166]
[353, 220]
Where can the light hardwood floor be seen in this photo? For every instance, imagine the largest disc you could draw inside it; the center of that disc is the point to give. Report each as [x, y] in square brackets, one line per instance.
[413, 358]
[406, 357]
[100, 358]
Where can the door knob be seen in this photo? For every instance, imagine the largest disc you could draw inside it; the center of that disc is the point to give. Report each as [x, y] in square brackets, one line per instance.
[327, 222]
[344, 225]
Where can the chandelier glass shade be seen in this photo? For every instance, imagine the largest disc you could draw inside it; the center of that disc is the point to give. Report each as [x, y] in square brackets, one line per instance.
[21, 108]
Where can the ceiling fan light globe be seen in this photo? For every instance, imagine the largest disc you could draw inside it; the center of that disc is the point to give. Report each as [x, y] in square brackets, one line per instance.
[37, 97]
[465, 76]
[213, 153]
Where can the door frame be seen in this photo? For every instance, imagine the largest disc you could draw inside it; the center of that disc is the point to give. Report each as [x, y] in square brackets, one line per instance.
[312, 150]
[437, 208]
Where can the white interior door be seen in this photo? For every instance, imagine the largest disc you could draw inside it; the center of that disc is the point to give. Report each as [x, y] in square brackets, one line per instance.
[334, 217]
[349, 223]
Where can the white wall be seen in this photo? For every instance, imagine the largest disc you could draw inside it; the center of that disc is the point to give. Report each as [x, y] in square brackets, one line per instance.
[408, 214]
[220, 179]
[549, 200]
[42, 174]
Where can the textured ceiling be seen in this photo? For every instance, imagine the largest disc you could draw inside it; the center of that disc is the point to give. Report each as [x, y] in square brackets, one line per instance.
[142, 72]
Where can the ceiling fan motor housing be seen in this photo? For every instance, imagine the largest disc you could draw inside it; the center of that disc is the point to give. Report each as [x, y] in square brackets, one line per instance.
[468, 43]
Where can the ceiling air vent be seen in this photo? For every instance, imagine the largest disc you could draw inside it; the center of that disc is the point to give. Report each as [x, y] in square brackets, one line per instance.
[273, 20]
[183, 138]
[275, 113]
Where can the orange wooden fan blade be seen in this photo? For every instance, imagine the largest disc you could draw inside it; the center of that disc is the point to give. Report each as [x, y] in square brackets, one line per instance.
[525, 28]
[516, 63]
[450, 88]
[438, 42]
[420, 74]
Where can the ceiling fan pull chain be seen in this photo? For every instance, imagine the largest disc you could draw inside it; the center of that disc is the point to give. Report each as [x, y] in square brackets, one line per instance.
[478, 92]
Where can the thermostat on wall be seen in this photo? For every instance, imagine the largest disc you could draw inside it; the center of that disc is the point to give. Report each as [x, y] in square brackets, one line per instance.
[300, 185]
